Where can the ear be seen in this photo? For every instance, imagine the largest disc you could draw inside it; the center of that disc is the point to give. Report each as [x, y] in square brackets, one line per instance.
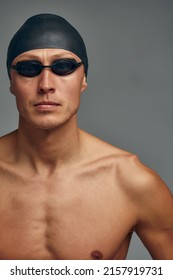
[84, 84]
[11, 89]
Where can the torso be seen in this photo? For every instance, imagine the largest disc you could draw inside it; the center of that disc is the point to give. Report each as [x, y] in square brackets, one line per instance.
[77, 213]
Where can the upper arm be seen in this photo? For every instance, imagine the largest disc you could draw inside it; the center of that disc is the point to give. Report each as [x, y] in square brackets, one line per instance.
[155, 214]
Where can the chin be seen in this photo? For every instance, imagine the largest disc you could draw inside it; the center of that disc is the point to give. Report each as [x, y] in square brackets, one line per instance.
[50, 124]
[47, 126]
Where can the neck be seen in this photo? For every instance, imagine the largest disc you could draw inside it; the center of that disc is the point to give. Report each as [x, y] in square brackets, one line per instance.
[48, 149]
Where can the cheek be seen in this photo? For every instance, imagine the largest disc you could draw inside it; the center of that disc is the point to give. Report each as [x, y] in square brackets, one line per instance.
[70, 97]
[21, 104]
[69, 90]
[20, 95]
[16, 87]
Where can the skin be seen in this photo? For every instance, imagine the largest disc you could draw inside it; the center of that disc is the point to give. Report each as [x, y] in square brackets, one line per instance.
[65, 194]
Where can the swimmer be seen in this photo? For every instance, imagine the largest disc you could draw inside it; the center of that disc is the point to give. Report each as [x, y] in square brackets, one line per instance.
[65, 194]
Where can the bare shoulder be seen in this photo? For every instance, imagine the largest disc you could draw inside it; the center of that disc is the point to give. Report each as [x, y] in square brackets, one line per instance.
[134, 176]
[142, 180]
[7, 146]
[97, 149]
[142, 189]
[126, 162]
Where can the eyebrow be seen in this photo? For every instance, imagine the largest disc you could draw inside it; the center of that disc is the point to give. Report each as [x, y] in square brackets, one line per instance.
[52, 57]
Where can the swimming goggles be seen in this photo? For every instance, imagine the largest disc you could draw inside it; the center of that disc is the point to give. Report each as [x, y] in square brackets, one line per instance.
[32, 68]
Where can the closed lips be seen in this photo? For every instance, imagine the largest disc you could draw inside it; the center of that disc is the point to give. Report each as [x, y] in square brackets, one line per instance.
[50, 103]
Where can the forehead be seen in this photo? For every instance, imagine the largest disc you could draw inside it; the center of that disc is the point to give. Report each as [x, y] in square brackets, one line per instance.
[45, 55]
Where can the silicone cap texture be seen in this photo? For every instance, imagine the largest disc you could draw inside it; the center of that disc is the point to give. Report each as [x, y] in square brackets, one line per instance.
[46, 31]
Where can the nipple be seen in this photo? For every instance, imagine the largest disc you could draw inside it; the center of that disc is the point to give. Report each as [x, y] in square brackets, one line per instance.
[96, 255]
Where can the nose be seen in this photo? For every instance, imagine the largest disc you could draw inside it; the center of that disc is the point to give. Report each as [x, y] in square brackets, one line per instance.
[46, 82]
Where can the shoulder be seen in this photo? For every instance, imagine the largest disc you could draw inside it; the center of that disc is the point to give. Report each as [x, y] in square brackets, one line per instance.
[127, 166]
[7, 145]
[133, 175]
[96, 148]
[134, 172]
[142, 182]
[146, 190]
[123, 160]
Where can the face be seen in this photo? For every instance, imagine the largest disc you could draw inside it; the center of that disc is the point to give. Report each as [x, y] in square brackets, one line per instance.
[47, 100]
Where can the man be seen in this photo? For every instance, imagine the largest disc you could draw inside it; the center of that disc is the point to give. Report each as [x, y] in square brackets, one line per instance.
[65, 194]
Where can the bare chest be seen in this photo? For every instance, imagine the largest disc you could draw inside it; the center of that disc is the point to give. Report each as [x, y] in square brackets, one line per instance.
[63, 219]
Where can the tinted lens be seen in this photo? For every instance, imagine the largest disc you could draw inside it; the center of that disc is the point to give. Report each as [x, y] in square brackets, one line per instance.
[65, 66]
[29, 68]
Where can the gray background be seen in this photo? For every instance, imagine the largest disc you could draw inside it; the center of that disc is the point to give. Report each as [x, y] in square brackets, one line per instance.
[129, 97]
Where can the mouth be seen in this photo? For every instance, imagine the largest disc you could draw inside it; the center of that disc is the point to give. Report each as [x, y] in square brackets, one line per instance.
[46, 105]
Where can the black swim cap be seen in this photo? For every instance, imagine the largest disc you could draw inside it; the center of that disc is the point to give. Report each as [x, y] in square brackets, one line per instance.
[46, 31]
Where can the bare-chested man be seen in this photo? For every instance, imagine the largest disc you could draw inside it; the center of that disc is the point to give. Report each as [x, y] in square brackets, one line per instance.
[65, 194]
